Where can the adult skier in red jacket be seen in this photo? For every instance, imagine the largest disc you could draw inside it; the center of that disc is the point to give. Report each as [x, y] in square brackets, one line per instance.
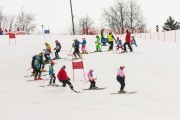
[62, 76]
[128, 41]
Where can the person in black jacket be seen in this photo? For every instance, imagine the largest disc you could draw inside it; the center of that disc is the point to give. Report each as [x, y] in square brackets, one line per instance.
[76, 49]
[57, 48]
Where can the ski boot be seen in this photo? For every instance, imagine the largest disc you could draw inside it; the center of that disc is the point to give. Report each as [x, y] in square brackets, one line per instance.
[39, 78]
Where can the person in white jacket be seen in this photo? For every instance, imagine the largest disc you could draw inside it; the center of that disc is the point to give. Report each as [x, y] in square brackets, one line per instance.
[121, 78]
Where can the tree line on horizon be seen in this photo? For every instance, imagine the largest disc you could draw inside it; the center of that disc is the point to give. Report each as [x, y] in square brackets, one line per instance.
[118, 17]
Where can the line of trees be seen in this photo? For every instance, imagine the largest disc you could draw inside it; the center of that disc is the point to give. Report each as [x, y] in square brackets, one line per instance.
[23, 21]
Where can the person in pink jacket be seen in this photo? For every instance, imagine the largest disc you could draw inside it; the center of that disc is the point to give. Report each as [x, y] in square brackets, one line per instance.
[91, 79]
[121, 78]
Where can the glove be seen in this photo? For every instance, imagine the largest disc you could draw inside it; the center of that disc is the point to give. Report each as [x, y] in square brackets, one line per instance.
[68, 79]
[54, 48]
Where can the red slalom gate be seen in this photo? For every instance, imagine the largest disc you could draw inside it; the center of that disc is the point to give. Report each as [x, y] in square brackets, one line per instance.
[78, 65]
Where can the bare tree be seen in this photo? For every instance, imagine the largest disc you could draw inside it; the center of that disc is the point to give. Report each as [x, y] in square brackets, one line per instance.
[123, 15]
[85, 24]
[1, 17]
[25, 21]
[116, 16]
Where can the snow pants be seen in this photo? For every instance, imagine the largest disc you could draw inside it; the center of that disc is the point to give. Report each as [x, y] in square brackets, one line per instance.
[121, 80]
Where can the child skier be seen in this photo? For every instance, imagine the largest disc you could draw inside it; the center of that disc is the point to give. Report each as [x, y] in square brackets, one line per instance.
[76, 48]
[62, 76]
[47, 53]
[98, 44]
[91, 80]
[84, 45]
[119, 44]
[57, 48]
[37, 67]
[133, 41]
[121, 78]
[52, 74]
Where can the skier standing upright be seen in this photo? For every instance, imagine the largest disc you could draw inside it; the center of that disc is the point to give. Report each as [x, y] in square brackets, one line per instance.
[91, 80]
[121, 78]
[98, 44]
[52, 74]
[110, 40]
[84, 45]
[128, 41]
[76, 48]
[57, 48]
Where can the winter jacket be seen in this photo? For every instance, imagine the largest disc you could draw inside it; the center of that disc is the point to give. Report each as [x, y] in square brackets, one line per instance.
[51, 70]
[128, 37]
[120, 73]
[98, 41]
[76, 45]
[62, 75]
[58, 46]
[37, 62]
[84, 42]
[119, 43]
[111, 37]
[90, 76]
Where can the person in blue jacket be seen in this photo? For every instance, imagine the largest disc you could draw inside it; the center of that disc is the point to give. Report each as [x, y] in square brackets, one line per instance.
[84, 45]
[52, 74]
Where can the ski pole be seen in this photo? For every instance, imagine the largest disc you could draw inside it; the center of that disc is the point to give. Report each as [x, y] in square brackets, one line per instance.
[85, 82]
[28, 69]
[44, 81]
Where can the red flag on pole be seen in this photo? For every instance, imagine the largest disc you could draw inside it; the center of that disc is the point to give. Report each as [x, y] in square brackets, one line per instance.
[78, 65]
[12, 36]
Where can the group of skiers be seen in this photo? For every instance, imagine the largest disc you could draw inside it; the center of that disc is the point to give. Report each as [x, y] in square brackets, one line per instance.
[101, 41]
[38, 63]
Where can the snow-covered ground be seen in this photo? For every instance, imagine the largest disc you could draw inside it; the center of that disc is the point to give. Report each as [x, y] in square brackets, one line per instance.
[152, 70]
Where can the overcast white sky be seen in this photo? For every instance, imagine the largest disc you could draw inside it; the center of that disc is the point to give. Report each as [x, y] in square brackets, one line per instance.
[56, 14]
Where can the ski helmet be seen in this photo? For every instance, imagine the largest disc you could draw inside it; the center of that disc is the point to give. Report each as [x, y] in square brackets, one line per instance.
[122, 67]
[52, 62]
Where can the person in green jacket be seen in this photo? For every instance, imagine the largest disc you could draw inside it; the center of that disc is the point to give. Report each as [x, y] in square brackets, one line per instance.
[98, 44]
[110, 40]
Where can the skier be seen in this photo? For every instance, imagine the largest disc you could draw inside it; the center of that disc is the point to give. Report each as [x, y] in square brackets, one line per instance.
[119, 44]
[157, 28]
[121, 78]
[98, 44]
[133, 41]
[62, 76]
[84, 46]
[57, 48]
[103, 39]
[47, 53]
[41, 63]
[37, 67]
[52, 74]
[92, 80]
[128, 40]
[76, 48]
[110, 40]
